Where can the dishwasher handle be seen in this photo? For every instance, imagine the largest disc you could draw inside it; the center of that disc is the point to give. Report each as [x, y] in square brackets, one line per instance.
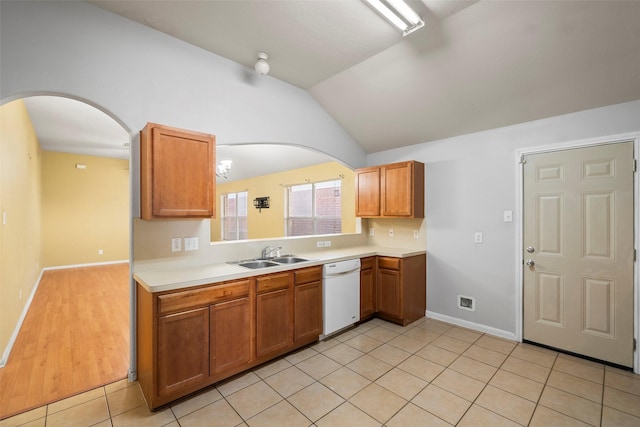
[342, 273]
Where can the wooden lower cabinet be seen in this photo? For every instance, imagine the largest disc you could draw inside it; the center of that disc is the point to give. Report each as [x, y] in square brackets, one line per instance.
[389, 291]
[274, 314]
[401, 291]
[230, 335]
[191, 338]
[307, 297]
[273, 322]
[367, 287]
[189, 332]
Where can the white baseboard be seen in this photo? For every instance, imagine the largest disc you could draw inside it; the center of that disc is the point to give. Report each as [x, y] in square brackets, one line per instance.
[91, 264]
[14, 335]
[472, 325]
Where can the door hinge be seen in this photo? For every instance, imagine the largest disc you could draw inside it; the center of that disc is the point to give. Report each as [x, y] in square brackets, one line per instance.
[634, 255]
[522, 159]
[635, 165]
[634, 344]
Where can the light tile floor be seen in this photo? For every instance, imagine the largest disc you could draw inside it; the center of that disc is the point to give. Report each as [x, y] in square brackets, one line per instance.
[428, 373]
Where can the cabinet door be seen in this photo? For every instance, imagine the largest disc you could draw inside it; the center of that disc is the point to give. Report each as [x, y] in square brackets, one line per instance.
[397, 189]
[183, 350]
[230, 335]
[368, 192]
[307, 312]
[177, 173]
[273, 322]
[367, 293]
[389, 292]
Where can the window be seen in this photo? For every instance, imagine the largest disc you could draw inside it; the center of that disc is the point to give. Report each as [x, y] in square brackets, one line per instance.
[234, 216]
[314, 208]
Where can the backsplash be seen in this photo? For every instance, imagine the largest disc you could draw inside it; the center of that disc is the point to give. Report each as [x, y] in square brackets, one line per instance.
[396, 232]
[152, 244]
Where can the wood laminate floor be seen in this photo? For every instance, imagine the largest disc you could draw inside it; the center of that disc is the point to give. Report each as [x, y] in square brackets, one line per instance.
[74, 338]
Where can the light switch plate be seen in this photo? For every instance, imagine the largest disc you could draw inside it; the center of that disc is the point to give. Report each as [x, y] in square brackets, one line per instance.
[477, 237]
[508, 216]
[190, 243]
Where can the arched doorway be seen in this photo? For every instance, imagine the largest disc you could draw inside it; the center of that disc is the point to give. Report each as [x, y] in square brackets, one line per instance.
[69, 190]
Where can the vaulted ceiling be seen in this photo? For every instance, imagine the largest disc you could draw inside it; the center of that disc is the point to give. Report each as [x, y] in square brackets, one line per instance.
[476, 65]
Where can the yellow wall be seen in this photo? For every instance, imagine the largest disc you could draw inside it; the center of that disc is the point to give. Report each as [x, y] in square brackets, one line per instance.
[84, 210]
[270, 222]
[20, 245]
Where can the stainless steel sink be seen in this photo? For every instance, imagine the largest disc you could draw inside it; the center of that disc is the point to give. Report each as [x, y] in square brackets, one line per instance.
[257, 264]
[269, 262]
[288, 259]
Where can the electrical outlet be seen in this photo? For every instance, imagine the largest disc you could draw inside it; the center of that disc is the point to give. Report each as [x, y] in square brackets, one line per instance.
[191, 244]
[100, 252]
[477, 237]
[416, 234]
[20, 294]
[4, 218]
[319, 244]
[391, 232]
[372, 232]
[176, 244]
[327, 243]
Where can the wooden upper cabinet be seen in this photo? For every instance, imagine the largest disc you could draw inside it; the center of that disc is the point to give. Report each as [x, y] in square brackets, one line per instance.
[177, 173]
[402, 190]
[368, 191]
[394, 191]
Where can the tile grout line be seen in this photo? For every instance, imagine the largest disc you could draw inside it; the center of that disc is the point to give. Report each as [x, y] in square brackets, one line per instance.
[411, 353]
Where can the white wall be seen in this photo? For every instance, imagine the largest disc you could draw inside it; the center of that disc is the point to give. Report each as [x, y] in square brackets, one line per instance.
[140, 75]
[469, 181]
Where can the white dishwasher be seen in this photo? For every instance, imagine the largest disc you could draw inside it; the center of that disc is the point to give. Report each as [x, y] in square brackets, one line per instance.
[340, 295]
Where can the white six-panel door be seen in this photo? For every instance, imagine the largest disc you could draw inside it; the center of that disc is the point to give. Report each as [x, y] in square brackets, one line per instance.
[578, 251]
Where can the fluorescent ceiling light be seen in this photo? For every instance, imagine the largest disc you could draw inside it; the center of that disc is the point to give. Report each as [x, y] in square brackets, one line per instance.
[399, 14]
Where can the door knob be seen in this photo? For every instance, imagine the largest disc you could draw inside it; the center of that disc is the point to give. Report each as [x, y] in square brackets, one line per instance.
[530, 249]
[530, 263]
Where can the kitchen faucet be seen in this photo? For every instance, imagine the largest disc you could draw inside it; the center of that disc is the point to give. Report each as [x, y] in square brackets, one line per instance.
[268, 250]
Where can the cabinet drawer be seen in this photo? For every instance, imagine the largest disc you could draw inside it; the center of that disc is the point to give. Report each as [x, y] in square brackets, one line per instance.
[367, 263]
[307, 275]
[389, 263]
[272, 282]
[178, 301]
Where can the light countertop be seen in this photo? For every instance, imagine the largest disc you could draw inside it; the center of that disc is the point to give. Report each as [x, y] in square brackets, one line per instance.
[160, 280]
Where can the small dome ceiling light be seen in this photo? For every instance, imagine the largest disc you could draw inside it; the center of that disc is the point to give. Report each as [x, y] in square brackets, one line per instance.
[262, 66]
